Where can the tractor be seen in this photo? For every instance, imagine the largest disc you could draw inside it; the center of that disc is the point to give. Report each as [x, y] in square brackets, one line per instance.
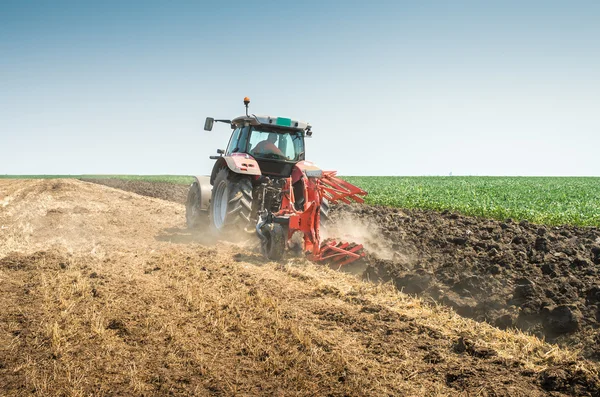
[262, 184]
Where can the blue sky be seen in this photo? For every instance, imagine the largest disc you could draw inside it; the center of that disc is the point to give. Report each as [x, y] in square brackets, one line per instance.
[391, 88]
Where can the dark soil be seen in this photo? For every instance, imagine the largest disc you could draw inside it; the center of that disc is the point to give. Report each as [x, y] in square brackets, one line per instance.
[162, 190]
[540, 279]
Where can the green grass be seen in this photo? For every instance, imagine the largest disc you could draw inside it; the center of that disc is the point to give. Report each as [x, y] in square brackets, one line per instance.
[179, 179]
[542, 200]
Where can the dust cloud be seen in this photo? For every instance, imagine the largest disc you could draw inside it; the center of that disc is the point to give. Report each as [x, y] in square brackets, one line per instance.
[350, 228]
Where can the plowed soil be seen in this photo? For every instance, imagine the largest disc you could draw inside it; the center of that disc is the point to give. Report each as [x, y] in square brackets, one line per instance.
[104, 292]
[539, 279]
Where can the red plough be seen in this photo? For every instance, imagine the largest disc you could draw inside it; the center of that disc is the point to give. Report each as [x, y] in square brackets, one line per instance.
[325, 189]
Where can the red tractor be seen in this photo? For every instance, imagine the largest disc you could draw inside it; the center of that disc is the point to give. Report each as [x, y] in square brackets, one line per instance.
[262, 184]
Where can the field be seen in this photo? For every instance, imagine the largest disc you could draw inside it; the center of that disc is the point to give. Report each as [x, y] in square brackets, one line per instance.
[107, 293]
[543, 200]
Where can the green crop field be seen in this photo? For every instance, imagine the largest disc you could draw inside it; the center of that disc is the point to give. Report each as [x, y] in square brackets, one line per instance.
[544, 200]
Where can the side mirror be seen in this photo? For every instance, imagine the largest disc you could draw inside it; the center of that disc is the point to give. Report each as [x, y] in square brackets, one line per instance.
[208, 124]
[220, 151]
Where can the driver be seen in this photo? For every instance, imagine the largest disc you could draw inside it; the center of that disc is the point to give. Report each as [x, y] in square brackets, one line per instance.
[268, 146]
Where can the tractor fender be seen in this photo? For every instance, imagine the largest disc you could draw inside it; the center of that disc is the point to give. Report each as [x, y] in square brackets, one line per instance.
[306, 167]
[205, 190]
[238, 163]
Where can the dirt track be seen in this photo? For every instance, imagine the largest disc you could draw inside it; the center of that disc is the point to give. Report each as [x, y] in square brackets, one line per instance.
[106, 292]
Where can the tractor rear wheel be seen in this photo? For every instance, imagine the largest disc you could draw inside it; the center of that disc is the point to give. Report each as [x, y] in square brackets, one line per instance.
[273, 246]
[231, 202]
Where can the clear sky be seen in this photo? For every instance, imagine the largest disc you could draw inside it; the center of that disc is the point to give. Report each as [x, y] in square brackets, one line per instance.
[391, 88]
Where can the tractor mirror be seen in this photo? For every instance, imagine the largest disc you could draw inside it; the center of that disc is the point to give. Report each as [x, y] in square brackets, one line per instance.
[208, 124]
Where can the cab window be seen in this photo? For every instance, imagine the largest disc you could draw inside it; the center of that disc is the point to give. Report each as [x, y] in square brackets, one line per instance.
[273, 144]
[239, 141]
[233, 141]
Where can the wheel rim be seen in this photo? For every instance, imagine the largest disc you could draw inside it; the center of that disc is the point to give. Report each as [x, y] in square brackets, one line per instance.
[220, 205]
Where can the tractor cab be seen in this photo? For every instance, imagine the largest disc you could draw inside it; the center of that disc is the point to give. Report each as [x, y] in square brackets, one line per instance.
[275, 143]
[276, 148]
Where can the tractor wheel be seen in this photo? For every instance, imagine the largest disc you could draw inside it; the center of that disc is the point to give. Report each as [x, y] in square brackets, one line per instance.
[274, 244]
[194, 216]
[231, 202]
